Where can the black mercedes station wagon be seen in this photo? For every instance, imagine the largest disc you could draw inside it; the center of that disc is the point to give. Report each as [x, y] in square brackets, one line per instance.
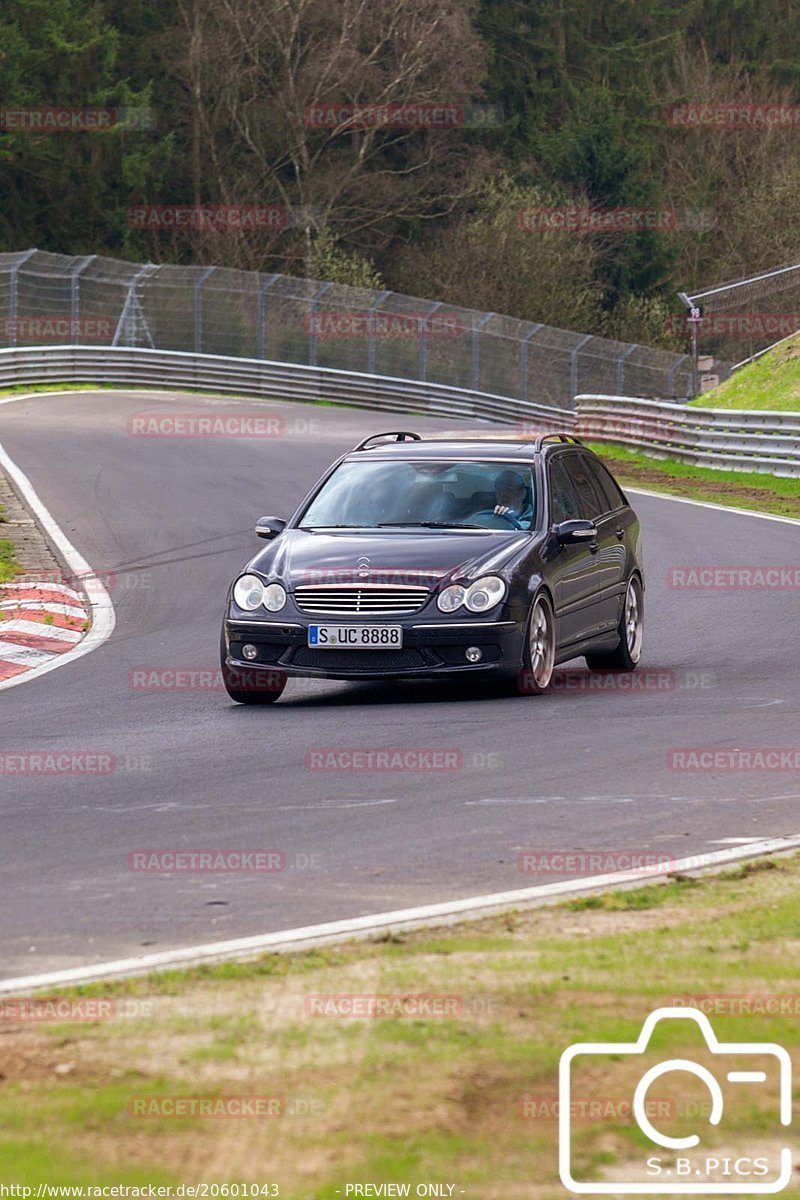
[421, 559]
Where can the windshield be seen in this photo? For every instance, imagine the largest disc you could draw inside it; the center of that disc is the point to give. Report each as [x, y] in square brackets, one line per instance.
[374, 495]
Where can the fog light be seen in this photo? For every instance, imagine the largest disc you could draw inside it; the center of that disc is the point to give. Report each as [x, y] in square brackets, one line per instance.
[249, 652]
[473, 654]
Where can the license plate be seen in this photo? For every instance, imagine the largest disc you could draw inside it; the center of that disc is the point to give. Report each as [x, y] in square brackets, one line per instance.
[356, 637]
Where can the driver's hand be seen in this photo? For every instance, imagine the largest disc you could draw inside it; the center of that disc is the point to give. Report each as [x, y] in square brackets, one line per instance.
[502, 510]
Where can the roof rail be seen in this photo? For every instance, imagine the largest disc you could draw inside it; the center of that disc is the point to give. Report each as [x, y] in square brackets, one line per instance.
[558, 437]
[399, 435]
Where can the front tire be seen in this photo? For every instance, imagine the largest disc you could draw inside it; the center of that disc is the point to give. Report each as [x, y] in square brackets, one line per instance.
[631, 633]
[539, 655]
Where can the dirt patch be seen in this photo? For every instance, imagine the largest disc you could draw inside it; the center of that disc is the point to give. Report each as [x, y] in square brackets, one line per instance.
[746, 496]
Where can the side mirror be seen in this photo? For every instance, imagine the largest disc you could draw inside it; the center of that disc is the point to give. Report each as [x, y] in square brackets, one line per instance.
[269, 527]
[569, 532]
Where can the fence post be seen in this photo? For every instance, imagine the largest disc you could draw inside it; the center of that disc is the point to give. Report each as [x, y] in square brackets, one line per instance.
[523, 360]
[423, 344]
[679, 358]
[312, 330]
[262, 314]
[12, 298]
[198, 311]
[621, 368]
[74, 304]
[379, 299]
[573, 363]
[475, 375]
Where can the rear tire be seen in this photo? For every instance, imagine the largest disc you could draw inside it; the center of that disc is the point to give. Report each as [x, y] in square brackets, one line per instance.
[251, 685]
[631, 633]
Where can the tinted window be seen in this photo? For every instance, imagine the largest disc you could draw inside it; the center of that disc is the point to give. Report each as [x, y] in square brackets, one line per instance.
[563, 501]
[608, 483]
[367, 493]
[591, 498]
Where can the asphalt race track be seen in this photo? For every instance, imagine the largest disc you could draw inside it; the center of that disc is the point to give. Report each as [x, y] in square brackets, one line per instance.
[172, 518]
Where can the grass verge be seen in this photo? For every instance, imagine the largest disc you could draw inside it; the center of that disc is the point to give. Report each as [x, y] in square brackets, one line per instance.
[738, 489]
[772, 382]
[465, 1098]
[9, 567]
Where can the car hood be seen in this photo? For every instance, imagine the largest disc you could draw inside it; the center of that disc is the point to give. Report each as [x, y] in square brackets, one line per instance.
[422, 556]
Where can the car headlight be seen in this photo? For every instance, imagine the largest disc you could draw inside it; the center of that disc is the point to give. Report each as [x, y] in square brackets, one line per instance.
[248, 592]
[451, 598]
[484, 593]
[274, 597]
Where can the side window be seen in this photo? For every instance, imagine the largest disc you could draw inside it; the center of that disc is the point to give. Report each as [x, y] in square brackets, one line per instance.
[591, 499]
[563, 501]
[611, 489]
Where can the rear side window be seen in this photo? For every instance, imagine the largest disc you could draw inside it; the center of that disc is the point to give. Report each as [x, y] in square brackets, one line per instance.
[563, 501]
[591, 497]
[611, 490]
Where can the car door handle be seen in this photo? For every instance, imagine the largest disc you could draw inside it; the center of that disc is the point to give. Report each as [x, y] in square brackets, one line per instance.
[594, 547]
[620, 534]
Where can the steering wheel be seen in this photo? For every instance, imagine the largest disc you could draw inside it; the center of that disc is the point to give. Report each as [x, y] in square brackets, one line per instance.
[506, 522]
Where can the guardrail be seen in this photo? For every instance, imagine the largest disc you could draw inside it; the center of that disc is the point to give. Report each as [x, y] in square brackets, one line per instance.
[252, 376]
[732, 440]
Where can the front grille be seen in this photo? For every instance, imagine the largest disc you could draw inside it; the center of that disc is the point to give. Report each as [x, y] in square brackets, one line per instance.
[361, 599]
[358, 660]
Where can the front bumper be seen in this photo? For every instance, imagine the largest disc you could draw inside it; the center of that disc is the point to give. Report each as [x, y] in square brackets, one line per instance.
[430, 648]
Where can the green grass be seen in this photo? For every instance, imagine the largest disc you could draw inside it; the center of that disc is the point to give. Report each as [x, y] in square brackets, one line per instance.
[772, 382]
[738, 489]
[9, 567]
[410, 1099]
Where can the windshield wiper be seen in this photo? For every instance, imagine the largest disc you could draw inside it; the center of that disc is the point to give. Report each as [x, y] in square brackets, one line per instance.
[426, 525]
[311, 528]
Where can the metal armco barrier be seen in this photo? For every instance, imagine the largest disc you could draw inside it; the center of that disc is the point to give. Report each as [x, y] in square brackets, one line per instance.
[730, 440]
[252, 377]
[767, 442]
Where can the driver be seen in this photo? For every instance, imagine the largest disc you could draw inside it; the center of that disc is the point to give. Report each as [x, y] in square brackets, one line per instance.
[512, 499]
